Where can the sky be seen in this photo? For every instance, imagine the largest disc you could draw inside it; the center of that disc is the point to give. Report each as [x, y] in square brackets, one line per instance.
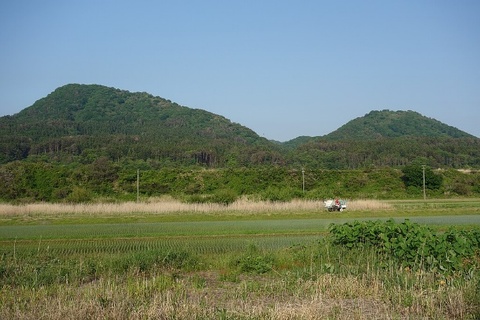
[281, 68]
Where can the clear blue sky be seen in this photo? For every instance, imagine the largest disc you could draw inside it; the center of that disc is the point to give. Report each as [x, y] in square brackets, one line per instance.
[282, 68]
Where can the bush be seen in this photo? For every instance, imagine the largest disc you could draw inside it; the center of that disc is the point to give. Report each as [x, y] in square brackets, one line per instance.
[79, 195]
[279, 194]
[254, 261]
[148, 260]
[224, 196]
[411, 244]
[413, 176]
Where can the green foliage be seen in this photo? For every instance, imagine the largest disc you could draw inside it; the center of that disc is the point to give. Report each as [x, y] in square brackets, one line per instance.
[222, 196]
[86, 122]
[125, 277]
[440, 152]
[144, 261]
[413, 177]
[393, 124]
[412, 245]
[83, 123]
[277, 194]
[461, 183]
[254, 261]
[79, 195]
[23, 181]
[41, 269]
[84, 142]
[35, 181]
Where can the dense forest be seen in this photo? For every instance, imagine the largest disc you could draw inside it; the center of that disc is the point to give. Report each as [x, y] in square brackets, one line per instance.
[80, 123]
[87, 141]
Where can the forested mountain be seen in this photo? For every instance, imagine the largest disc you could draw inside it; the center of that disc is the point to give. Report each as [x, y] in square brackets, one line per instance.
[82, 123]
[388, 139]
[388, 152]
[394, 124]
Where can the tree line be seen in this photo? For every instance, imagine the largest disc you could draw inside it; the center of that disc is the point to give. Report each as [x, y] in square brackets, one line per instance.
[24, 181]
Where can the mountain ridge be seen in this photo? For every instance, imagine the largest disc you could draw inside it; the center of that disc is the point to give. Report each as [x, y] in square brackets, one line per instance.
[393, 124]
[79, 121]
[78, 117]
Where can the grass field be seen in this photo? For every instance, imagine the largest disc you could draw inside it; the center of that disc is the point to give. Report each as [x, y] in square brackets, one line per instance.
[251, 260]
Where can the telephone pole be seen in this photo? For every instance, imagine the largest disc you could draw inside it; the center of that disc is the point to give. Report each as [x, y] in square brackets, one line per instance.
[303, 180]
[138, 184]
[423, 173]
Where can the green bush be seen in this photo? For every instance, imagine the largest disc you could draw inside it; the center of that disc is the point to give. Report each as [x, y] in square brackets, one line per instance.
[147, 261]
[224, 196]
[413, 176]
[254, 261]
[411, 244]
[79, 195]
[278, 194]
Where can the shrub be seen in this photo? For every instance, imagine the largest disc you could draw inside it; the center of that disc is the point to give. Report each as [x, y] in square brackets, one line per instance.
[145, 261]
[254, 261]
[278, 194]
[411, 244]
[224, 196]
[413, 176]
[79, 195]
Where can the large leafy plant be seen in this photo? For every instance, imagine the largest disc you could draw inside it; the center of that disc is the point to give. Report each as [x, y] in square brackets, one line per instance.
[412, 245]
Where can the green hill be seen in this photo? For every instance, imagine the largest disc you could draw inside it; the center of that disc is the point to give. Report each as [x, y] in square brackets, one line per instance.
[81, 121]
[394, 124]
[388, 139]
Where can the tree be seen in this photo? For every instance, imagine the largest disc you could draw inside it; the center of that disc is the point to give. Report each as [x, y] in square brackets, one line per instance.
[413, 177]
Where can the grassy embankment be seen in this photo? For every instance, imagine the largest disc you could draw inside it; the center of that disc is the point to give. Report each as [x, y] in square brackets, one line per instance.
[165, 259]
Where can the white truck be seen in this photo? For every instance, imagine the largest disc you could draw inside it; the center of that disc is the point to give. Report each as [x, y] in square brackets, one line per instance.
[335, 205]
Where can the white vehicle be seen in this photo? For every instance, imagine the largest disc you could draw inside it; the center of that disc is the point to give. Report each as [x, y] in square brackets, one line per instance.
[335, 205]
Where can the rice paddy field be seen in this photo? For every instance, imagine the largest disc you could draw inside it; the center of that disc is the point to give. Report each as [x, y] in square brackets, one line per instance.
[162, 259]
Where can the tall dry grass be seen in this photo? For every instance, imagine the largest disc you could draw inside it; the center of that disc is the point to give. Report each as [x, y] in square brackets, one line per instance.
[170, 205]
[162, 297]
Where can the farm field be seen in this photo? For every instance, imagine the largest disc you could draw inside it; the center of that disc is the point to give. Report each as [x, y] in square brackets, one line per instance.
[246, 261]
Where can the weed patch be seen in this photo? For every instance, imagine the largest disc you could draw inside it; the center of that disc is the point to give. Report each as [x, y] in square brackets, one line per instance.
[254, 261]
[412, 245]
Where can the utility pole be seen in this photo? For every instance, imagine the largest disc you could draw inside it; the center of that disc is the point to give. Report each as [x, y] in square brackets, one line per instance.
[303, 180]
[138, 184]
[423, 173]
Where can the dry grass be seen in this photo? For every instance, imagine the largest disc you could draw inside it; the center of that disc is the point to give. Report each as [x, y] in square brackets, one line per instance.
[160, 297]
[169, 205]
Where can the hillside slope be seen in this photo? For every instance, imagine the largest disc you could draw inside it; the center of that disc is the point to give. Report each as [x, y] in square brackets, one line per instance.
[388, 139]
[394, 124]
[77, 120]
